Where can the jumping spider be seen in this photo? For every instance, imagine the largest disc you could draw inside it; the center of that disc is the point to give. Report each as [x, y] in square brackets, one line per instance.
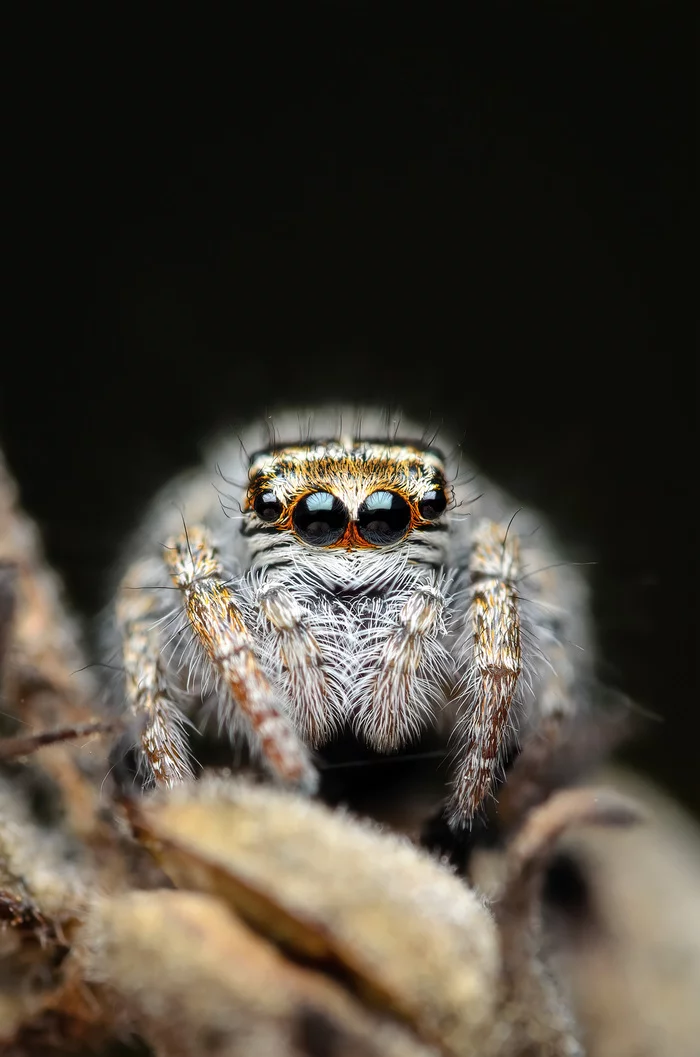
[356, 581]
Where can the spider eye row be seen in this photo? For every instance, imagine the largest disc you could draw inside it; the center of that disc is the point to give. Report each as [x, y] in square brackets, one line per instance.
[320, 518]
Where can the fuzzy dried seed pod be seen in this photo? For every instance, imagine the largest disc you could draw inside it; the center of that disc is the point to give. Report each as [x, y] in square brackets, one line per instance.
[195, 980]
[407, 933]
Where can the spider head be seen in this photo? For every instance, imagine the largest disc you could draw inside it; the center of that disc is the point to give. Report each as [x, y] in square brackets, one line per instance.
[340, 494]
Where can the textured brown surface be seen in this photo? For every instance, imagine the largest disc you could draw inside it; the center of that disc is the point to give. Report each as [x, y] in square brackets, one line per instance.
[634, 969]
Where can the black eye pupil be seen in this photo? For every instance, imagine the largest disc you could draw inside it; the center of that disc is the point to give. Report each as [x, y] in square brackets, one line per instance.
[383, 518]
[267, 506]
[433, 504]
[320, 519]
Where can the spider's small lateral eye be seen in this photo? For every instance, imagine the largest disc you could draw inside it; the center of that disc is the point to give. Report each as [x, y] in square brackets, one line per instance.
[267, 506]
[320, 519]
[433, 503]
[383, 518]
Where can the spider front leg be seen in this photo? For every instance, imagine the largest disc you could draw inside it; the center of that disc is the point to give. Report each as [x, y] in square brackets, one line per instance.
[494, 665]
[220, 630]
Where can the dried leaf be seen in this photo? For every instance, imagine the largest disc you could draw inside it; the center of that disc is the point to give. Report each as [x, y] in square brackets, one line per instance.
[38, 870]
[43, 893]
[44, 682]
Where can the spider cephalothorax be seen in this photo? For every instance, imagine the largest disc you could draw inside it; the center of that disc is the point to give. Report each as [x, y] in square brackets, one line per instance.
[360, 587]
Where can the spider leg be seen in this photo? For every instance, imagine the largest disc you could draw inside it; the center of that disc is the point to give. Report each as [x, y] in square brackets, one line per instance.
[220, 630]
[399, 691]
[560, 732]
[301, 667]
[494, 665]
[147, 688]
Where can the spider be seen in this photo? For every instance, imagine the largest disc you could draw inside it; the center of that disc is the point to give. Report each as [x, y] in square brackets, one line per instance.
[356, 581]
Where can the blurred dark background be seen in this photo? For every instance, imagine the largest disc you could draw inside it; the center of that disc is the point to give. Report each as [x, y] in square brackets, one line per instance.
[479, 219]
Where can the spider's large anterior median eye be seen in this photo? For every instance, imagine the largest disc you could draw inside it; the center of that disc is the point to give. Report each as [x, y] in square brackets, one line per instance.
[320, 519]
[267, 506]
[383, 517]
[433, 503]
